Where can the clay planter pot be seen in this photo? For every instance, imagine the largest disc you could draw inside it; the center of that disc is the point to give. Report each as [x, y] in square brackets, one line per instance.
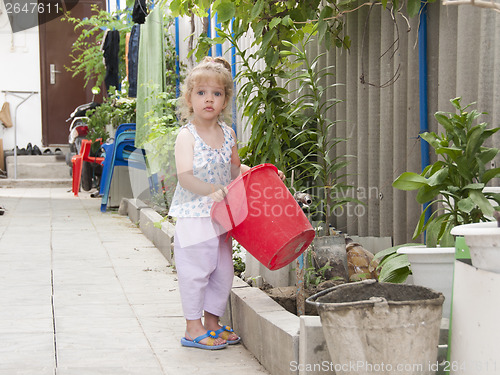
[380, 327]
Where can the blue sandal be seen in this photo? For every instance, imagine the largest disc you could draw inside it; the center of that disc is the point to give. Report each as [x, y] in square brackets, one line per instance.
[195, 343]
[224, 334]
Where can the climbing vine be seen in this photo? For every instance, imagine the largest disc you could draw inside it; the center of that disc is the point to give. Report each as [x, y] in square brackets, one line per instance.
[86, 53]
[282, 129]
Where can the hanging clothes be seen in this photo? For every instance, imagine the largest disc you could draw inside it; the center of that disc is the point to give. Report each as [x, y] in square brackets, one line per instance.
[151, 71]
[139, 12]
[111, 49]
[127, 41]
[133, 60]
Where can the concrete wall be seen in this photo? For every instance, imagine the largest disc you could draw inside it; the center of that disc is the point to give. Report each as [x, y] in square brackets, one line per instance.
[20, 71]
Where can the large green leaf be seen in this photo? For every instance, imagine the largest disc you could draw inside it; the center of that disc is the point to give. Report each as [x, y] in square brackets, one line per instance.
[483, 203]
[442, 118]
[391, 250]
[430, 138]
[434, 231]
[491, 173]
[257, 9]
[473, 141]
[486, 155]
[409, 181]
[225, 11]
[427, 193]
[453, 152]
[474, 186]
[447, 239]
[438, 178]
[466, 205]
[413, 7]
[395, 269]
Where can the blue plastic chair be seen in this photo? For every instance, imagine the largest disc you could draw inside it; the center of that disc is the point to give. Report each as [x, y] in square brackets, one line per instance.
[120, 153]
[108, 151]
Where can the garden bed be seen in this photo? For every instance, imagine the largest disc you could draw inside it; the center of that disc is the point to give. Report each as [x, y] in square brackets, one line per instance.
[282, 342]
[286, 296]
[261, 322]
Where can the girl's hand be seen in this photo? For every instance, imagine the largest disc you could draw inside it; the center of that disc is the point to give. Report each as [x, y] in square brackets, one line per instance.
[281, 175]
[219, 192]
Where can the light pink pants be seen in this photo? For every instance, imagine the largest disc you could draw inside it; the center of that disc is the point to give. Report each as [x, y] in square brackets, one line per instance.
[204, 267]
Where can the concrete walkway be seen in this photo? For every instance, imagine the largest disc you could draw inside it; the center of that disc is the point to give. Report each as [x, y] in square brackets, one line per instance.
[85, 293]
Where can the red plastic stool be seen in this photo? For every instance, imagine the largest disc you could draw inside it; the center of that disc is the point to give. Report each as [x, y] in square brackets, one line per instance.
[77, 162]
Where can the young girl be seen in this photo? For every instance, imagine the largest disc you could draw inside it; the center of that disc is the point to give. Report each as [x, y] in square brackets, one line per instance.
[207, 160]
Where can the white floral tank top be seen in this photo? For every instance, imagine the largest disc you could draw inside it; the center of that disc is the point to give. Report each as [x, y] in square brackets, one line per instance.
[209, 165]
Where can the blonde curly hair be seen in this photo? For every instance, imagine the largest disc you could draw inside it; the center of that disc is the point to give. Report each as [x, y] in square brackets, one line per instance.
[210, 67]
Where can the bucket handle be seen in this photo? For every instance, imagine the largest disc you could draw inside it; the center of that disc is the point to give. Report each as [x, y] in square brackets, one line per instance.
[228, 208]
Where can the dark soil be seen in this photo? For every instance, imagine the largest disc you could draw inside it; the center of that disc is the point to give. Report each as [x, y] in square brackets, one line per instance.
[391, 292]
[287, 296]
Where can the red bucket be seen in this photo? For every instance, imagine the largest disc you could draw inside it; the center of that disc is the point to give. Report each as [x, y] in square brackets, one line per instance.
[262, 215]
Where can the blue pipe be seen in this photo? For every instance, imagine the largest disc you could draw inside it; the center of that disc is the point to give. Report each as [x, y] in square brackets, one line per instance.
[422, 70]
[209, 30]
[177, 62]
[233, 72]
[218, 46]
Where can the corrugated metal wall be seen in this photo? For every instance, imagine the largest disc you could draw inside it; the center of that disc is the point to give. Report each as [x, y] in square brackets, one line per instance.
[382, 123]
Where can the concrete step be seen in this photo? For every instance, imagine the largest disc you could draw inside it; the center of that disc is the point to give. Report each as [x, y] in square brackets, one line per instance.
[35, 183]
[38, 167]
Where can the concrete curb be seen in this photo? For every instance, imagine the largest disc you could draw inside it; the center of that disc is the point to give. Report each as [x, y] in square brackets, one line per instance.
[268, 331]
[151, 223]
[281, 341]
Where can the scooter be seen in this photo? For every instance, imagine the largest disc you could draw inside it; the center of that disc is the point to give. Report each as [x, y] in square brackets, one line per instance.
[78, 129]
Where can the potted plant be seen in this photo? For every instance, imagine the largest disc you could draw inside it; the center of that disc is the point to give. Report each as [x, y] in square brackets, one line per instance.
[453, 187]
[321, 171]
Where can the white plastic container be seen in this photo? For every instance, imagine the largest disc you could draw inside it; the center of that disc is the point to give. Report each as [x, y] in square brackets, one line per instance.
[432, 267]
[483, 240]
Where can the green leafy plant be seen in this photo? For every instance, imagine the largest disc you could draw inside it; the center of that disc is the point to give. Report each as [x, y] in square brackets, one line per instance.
[454, 184]
[393, 267]
[267, 102]
[313, 276]
[266, 105]
[315, 140]
[114, 110]
[238, 262]
[86, 53]
[264, 101]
